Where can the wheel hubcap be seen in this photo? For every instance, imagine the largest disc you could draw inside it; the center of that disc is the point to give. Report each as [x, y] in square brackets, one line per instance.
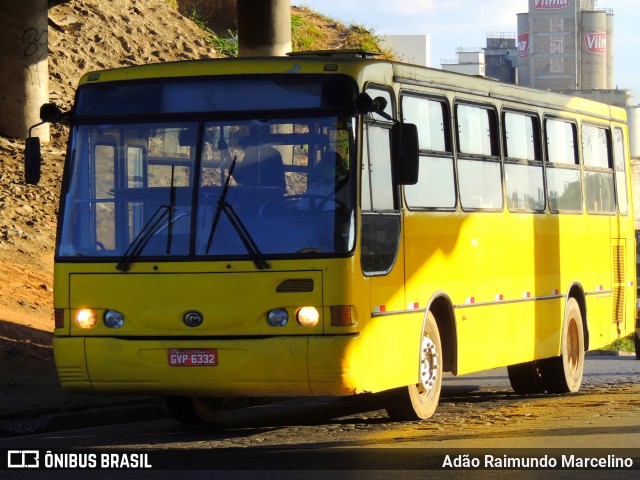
[429, 365]
[573, 346]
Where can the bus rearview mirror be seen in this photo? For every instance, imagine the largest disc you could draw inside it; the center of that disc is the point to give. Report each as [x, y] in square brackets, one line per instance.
[32, 160]
[405, 153]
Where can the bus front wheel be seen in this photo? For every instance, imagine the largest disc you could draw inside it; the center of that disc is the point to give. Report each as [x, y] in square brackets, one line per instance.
[194, 410]
[419, 402]
[563, 374]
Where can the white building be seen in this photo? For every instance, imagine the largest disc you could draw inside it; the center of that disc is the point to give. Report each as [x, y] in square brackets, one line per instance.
[415, 49]
[470, 61]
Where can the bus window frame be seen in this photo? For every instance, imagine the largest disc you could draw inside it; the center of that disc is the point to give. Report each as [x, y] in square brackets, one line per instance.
[447, 153]
[610, 169]
[577, 165]
[538, 161]
[396, 213]
[496, 156]
[623, 160]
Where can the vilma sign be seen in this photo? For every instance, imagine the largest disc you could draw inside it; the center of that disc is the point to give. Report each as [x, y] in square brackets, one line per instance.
[523, 44]
[551, 4]
[596, 43]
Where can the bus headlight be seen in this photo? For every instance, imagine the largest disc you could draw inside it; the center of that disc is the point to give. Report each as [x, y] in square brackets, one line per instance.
[86, 318]
[113, 319]
[308, 316]
[278, 317]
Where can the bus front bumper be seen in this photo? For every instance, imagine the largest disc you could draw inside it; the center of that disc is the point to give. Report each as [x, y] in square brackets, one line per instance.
[273, 366]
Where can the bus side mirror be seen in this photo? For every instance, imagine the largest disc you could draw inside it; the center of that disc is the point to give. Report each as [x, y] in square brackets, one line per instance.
[49, 113]
[405, 150]
[32, 160]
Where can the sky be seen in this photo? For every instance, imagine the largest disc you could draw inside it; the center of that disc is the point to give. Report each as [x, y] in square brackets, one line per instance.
[464, 23]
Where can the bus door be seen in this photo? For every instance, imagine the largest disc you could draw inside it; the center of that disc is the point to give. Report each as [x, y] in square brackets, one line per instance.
[624, 251]
[382, 254]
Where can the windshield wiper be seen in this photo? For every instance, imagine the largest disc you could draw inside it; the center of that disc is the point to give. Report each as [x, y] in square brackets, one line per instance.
[226, 208]
[152, 227]
[146, 233]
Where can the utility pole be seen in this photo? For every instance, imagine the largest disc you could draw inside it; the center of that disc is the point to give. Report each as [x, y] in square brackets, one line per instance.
[264, 28]
[24, 75]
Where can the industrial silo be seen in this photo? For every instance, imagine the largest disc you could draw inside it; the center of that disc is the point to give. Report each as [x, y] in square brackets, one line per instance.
[611, 82]
[524, 50]
[586, 4]
[594, 50]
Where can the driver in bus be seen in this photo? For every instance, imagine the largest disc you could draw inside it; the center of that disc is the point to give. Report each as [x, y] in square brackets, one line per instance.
[325, 183]
[261, 166]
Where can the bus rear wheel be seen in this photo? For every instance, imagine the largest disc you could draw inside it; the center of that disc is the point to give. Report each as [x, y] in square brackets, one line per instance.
[419, 402]
[563, 374]
[194, 410]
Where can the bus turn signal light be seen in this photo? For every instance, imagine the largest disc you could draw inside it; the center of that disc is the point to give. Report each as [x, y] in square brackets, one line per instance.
[58, 316]
[341, 316]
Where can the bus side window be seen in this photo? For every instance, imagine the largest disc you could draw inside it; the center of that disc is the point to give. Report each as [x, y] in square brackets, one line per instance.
[620, 163]
[524, 177]
[479, 168]
[436, 180]
[598, 170]
[563, 169]
[380, 217]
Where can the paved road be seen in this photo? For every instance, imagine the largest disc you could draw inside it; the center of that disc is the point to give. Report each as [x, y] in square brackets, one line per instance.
[479, 413]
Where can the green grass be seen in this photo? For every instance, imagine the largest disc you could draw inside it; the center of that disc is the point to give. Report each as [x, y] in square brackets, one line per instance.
[197, 17]
[304, 35]
[360, 37]
[623, 345]
[225, 45]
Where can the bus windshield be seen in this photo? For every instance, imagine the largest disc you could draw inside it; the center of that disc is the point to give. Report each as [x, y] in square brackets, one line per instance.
[155, 189]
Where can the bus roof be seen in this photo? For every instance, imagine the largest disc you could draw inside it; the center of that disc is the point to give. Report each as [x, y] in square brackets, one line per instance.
[312, 64]
[363, 67]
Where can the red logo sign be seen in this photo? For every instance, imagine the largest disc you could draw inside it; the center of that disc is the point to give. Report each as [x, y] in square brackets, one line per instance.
[596, 43]
[551, 4]
[523, 44]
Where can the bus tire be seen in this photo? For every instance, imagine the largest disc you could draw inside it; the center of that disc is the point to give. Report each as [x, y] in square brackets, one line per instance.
[419, 402]
[194, 410]
[563, 374]
[525, 378]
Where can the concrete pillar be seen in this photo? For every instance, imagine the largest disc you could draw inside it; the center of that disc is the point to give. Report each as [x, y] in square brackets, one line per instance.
[24, 76]
[264, 28]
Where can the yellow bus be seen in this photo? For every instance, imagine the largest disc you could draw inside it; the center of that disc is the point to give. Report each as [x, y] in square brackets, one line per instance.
[333, 224]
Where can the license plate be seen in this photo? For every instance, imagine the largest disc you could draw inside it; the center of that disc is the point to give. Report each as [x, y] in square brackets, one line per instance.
[193, 357]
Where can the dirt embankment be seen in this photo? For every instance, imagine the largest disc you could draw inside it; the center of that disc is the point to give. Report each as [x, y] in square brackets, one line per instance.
[83, 35]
